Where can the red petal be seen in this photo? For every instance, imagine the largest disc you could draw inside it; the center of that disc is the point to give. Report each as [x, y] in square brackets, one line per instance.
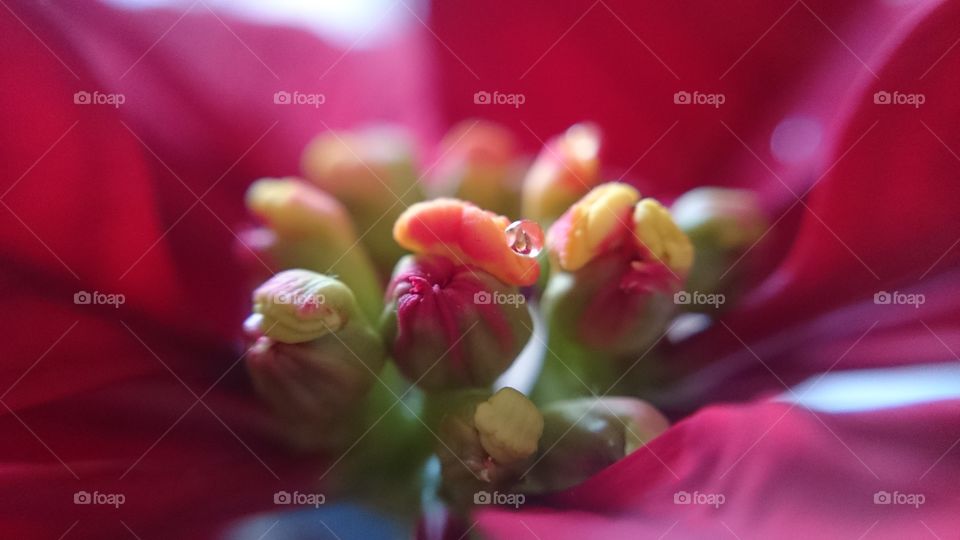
[883, 218]
[784, 472]
[620, 62]
[89, 207]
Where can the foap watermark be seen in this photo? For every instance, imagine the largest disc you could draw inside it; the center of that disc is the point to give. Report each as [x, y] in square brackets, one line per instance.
[298, 299]
[697, 298]
[883, 97]
[906, 499]
[97, 298]
[482, 97]
[502, 499]
[300, 499]
[897, 298]
[683, 97]
[315, 100]
[708, 499]
[82, 97]
[104, 499]
[484, 298]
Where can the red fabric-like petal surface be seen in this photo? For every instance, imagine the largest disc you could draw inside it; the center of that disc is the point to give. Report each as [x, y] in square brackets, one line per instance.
[882, 218]
[104, 398]
[784, 472]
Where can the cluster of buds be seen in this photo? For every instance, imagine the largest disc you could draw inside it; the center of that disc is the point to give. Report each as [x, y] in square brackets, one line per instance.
[455, 311]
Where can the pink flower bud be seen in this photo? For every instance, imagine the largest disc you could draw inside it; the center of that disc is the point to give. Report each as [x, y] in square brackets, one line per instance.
[452, 326]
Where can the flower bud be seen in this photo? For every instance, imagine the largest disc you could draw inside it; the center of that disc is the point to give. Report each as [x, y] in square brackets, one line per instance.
[622, 258]
[567, 167]
[487, 442]
[373, 173]
[583, 436]
[315, 358]
[478, 163]
[470, 236]
[722, 224]
[452, 326]
[311, 230]
[298, 305]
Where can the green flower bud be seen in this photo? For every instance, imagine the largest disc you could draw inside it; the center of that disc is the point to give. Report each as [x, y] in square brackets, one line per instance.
[583, 436]
[487, 442]
[315, 358]
[722, 224]
[312, 230]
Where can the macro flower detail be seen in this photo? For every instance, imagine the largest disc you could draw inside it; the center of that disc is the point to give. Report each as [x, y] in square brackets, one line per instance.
[467, 235]
[587, 435]
[307, 228]
[314, 357]
[619, 261]
[509, 426]
[451, 326]
[486, 442]
[676, 270]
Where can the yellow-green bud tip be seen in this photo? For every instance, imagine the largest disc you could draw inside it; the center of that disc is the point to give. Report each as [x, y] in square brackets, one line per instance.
[296, 306]
[509, 425]
[658, 233]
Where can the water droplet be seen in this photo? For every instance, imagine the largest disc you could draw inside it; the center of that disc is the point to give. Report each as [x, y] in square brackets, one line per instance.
[525, 237]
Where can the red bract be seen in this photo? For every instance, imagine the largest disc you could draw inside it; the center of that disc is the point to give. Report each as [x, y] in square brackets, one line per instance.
[140, 200]
[148, 399]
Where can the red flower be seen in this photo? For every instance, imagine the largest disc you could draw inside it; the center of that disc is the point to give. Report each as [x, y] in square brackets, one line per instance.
[142, 200]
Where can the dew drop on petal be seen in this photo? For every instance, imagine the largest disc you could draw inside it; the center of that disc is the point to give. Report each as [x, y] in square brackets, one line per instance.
[525, 237]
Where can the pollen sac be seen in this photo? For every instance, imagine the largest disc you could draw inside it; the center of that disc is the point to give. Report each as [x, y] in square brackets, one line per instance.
[656, 232]
[613, 217]
[509, 425]
[597, 223]
[487, 443]
[451, 326]
[468, 236]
